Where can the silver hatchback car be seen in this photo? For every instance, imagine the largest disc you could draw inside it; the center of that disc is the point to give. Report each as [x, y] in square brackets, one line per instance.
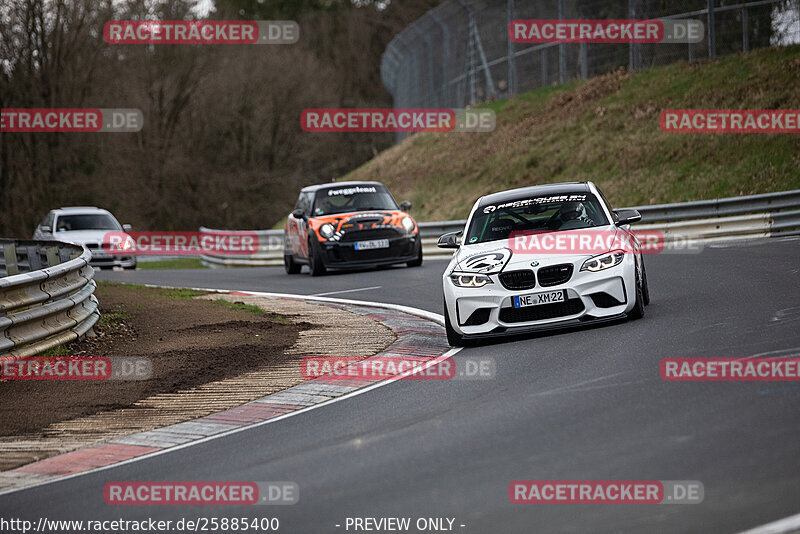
[85, 225]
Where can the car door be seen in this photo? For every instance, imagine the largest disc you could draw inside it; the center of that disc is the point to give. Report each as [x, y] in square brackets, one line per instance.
[297, 228]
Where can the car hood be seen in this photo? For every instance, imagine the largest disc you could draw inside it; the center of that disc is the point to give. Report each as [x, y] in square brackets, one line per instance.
[83, 237]
[496, 256]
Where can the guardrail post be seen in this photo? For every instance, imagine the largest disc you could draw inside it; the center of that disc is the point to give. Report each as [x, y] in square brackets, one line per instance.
[10, 254]
[34, 260]
[64, 254]
[52, 256]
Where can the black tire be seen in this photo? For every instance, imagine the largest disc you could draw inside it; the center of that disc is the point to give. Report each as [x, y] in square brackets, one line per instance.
[315, 264]
[289, 264]
[638, 308]
[453, 338]
[645, 287]
[418, 261]
[130, 268]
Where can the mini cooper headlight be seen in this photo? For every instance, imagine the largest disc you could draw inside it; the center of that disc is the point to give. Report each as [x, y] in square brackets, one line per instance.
[408, 224]
[470, 280]
[326, 230]
[603, 261]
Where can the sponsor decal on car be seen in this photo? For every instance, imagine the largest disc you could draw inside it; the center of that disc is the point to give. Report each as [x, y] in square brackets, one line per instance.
[535, 201]
[486, 262]
[351, 190]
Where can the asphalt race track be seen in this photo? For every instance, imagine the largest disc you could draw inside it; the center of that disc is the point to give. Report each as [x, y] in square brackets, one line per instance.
[580, 405]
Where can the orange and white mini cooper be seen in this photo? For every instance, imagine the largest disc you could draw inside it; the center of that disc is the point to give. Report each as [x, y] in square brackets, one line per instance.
[348, 225]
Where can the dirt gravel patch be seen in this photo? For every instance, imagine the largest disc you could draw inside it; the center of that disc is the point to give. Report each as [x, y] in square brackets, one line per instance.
[210, 352]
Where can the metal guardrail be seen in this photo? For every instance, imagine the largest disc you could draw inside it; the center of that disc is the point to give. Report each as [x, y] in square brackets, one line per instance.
[46, 295]
[708, 221]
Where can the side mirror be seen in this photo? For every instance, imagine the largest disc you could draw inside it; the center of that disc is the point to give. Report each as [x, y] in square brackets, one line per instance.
[405, 205]
[627, 217]
[450, 240]
[127, 227]
[299, 214]
[46, 229]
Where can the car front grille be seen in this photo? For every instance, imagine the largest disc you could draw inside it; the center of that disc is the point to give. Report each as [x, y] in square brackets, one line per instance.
[370, 234]
[555, 274]
[541, 312]
[397, 249]
[524, 279]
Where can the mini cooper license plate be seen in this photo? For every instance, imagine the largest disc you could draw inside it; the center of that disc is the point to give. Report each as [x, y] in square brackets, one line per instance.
[369, 245]
[540, 298]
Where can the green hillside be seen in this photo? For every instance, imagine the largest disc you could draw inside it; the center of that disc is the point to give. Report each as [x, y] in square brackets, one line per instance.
[606, 130]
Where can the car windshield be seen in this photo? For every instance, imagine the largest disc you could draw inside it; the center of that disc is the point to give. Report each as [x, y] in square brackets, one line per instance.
[352, 198]
[549, 213]
[93, 221]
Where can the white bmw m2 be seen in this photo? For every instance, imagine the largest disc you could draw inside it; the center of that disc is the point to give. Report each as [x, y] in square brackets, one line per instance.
[542, 257]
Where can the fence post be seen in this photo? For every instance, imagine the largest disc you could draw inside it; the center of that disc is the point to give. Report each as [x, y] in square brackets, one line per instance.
[445, 57]
[745, 31]
[634, 60]
[428, 101]
[584, 58]
[562, 49]
[512, 62]
[544, 67]
[712, 48]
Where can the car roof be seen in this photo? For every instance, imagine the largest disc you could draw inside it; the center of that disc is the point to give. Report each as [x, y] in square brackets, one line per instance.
[561, 188]
[79, 209]
[338, 184]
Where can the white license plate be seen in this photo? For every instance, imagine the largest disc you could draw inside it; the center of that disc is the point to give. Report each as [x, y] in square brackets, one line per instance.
[540, 298]
[369, 245]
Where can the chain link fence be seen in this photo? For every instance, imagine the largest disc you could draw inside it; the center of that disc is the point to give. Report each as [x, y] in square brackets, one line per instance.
[459, 53]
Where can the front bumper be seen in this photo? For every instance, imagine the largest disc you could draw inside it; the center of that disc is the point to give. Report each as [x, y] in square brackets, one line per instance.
[590, 297]
[343, 255]
[102, 259]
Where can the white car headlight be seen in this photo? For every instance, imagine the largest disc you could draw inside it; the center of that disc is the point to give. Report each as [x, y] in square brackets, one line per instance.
[326, 230]
[470, 280]
[408, 224]
[603, 261]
